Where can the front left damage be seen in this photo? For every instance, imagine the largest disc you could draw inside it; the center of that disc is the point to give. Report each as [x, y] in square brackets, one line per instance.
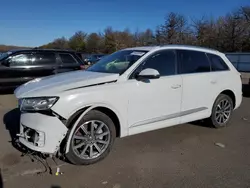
[42, 132]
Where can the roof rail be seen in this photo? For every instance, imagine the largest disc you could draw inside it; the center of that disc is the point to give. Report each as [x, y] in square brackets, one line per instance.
[189, 46]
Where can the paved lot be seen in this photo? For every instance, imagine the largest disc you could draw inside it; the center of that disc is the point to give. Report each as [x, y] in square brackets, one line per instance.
[180, 156]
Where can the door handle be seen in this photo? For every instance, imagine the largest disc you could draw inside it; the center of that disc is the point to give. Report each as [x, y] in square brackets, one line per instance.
[176, 86]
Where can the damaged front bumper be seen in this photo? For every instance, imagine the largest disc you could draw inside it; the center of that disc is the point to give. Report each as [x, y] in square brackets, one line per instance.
[41, 133]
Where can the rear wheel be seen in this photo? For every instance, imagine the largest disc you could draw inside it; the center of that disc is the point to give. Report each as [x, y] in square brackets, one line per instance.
[222, 111]
[92, 139]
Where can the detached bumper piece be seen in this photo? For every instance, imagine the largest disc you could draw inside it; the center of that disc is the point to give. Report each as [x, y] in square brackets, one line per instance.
[41, 133]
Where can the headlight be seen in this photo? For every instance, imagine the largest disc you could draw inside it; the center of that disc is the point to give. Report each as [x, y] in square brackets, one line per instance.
[35, 104]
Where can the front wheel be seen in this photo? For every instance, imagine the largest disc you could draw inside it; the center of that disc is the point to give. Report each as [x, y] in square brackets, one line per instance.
[222, 111]
[92, 139]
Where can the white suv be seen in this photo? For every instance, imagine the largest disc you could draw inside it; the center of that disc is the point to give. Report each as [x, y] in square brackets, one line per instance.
[131, 91]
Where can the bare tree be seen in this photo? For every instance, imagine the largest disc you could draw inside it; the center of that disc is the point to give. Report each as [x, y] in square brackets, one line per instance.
[175, 30]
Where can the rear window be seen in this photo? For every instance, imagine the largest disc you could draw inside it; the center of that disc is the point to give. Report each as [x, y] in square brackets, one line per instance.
[67, 59]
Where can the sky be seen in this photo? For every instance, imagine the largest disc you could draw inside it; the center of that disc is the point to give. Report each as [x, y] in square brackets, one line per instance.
[34, 23]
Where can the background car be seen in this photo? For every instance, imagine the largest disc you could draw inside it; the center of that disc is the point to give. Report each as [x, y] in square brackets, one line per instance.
[93, 58]
[241, 62]
[20, 66]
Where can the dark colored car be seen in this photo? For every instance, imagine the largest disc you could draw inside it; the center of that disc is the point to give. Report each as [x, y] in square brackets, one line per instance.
[20, 66]
[93, 58]
[241, 61]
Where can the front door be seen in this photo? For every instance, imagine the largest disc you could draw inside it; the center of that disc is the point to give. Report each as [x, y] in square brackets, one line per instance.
[155, 103]
[24, 66]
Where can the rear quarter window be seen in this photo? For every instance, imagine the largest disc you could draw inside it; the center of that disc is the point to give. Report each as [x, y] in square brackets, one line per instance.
[67, 58]
[217, 63]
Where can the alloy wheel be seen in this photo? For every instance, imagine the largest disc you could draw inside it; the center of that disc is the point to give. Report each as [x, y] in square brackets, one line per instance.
[223, 111]
[91, 139]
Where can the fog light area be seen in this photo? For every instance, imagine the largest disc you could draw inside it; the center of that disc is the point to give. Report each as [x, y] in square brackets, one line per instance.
[33, 136]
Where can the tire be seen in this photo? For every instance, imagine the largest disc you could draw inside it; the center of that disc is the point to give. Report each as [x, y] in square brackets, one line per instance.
[92, 118]
[214, 119]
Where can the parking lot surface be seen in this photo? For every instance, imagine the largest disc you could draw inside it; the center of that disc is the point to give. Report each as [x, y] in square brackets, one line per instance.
[188, 155]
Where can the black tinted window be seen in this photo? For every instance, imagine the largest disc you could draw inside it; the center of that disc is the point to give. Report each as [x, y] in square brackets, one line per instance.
[193, 61]
[20, 59]
[163, 62]
[217, 64]
[67, 58]
[43, 58]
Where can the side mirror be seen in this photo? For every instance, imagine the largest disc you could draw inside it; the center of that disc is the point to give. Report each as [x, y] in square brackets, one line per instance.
[148, 74]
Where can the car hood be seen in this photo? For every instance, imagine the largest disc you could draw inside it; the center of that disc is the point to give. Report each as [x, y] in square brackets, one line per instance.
[62, 82]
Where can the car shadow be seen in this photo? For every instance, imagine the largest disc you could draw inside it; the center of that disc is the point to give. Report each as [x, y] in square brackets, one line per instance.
[201, 123]
[6, 91]
[246, 90]
[11, 120]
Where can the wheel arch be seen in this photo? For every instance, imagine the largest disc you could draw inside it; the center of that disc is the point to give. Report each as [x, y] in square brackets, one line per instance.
[231, 94]
[80, 113]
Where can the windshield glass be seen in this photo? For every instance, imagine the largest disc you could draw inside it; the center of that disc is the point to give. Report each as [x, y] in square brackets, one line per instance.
[117, 62]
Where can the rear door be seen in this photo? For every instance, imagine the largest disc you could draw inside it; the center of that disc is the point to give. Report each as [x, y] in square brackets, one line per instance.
[199, 87]
[43, 64]
[68, 62]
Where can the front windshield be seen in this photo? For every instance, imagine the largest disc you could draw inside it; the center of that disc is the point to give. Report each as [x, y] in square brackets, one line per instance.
[117, 62]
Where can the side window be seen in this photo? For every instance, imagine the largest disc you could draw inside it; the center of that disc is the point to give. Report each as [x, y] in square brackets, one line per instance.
[44, 58]
[193, 61]
[67, 59]
[164, 62]
[20, 59]
[217, 64]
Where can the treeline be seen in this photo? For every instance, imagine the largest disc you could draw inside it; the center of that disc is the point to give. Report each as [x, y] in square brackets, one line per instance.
[229, 33]
[5, 48]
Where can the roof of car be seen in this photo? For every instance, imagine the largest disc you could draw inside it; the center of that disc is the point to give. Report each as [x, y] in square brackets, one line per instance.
[149, 48]
[143, 48]
[40, 50]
